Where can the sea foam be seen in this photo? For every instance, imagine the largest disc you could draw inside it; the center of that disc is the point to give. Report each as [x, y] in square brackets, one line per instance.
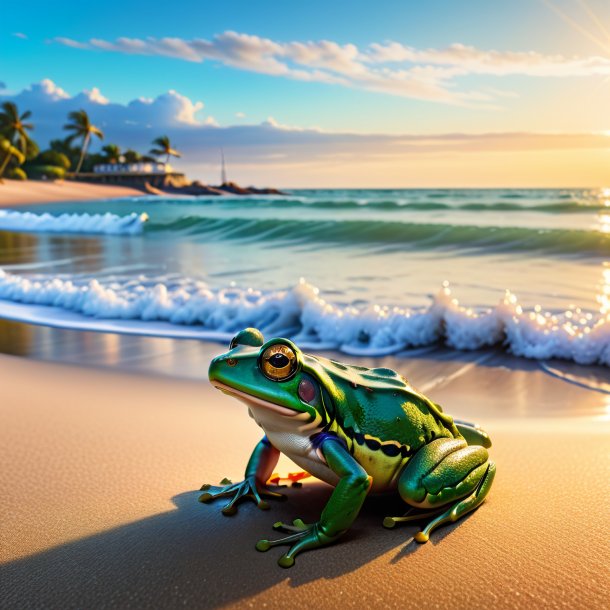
[302, 313]
[108, 224]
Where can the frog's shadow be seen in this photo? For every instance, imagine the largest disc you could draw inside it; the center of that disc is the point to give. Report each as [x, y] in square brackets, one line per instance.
[195, 555]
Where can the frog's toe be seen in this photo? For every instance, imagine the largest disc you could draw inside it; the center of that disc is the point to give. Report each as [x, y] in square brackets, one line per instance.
[309, 541]
[215, 492]
[298, 525]
[410, 515]
[285, 561]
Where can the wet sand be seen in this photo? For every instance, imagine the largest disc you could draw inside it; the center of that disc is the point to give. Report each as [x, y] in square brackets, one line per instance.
[100, 471]
[14, 193]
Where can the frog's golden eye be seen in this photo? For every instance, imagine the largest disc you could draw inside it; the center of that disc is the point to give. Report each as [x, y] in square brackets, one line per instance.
[279, 362]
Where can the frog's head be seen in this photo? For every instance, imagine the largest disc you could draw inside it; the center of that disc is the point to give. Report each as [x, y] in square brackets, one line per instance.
[268, 374]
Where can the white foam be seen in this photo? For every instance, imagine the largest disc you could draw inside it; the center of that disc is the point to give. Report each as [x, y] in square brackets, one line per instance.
[188, 308]
[108, 224]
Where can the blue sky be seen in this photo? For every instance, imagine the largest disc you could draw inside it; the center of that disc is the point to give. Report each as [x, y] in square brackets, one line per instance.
[557, 53]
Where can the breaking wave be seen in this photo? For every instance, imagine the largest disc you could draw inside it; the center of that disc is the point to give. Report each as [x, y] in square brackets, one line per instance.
[107, 224]
[301, 313]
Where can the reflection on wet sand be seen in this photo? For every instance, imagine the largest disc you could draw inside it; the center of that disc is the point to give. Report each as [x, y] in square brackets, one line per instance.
[16, 339]
[17, 248]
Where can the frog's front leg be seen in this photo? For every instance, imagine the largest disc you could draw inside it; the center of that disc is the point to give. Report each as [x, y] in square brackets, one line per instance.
[448, 479]
[339, 513]
[259, 469]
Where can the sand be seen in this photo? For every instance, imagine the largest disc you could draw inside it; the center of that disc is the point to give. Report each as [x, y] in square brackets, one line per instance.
[14, 193]
[99, 508]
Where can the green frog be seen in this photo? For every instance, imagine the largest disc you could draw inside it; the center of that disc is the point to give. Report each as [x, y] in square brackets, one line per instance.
[360, 430]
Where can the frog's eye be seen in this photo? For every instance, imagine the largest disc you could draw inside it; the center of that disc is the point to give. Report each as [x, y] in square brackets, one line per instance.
[279, 362]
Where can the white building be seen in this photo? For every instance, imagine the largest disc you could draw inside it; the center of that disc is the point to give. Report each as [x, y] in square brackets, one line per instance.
[133, 168]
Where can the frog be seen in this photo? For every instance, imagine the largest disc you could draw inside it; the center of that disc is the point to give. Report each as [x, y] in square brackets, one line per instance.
[361, 430]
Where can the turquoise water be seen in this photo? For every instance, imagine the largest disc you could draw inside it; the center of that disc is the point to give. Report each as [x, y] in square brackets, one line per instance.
[375, 257]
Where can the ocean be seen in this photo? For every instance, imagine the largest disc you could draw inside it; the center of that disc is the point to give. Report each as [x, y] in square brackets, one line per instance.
[365, 272]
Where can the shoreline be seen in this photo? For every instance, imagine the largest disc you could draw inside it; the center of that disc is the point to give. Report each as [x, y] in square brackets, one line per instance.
[519, 388]
[100, 508]
[15, 193]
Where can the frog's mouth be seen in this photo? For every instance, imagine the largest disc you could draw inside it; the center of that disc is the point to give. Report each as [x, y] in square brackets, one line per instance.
[250, 400]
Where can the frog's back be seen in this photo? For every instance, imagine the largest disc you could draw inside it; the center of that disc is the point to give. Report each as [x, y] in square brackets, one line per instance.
[383, 410]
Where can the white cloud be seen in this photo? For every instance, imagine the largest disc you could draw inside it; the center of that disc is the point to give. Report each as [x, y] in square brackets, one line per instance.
[95, 95]
[44, 91]
[389, 67]
[20, 35]
[50, 105]
[240, 115]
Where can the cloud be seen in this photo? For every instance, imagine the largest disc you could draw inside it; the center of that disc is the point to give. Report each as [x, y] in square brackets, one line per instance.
[20, 35]
[50, 105]
[272, 148]
[388, 67]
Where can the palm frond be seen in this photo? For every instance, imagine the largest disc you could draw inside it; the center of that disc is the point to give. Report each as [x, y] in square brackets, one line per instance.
[96, 131]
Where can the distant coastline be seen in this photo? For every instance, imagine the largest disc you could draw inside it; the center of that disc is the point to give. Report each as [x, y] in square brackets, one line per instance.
[15, 193]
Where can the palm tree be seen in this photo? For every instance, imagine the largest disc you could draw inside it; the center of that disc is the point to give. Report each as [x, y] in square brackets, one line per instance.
[112, 152]
[82, 128]
[164, 148]
[9, 151]
[14, 130]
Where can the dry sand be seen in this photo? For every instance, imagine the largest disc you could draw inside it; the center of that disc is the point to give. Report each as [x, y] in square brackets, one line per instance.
[99, 509]
[15, 192]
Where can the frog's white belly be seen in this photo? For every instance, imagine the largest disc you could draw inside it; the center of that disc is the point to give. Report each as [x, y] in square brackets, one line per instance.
[286, 435]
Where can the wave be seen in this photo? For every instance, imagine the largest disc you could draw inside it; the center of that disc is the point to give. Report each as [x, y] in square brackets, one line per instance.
[314, 323]
[107, 224]
[398, 234]
[433, 203]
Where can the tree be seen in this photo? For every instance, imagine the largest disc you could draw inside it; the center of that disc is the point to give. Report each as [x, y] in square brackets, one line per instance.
[132, 156]
[48, 165]
[9, 151]
[112, 153]
[164, 147]
[83, 129]
[14, 132]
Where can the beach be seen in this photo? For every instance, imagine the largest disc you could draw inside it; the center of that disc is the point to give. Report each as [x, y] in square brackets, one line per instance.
[100, 477]
[15, 193]
[110, 426]
[360, 238]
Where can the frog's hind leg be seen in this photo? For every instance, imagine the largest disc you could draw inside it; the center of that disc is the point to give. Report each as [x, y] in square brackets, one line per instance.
[463, 506]
[446, 479]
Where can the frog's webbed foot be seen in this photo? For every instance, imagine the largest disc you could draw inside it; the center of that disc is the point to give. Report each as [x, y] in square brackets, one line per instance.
[305, 537]
[248, 488]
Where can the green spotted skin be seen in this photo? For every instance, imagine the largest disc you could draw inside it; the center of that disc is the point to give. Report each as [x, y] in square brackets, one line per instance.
[381, 417]
[361, 430]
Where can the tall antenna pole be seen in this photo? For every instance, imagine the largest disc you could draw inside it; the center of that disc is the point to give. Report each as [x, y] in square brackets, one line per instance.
[223, 171]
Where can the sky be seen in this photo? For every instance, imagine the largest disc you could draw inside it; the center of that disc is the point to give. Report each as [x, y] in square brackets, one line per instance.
[345, 94]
